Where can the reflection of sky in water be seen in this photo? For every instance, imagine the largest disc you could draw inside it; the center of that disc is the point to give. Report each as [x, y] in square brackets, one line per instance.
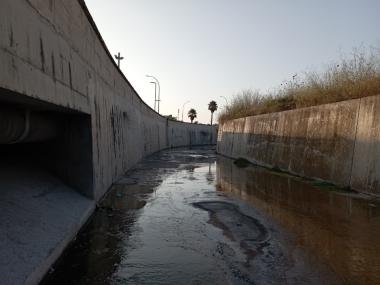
[159, 228]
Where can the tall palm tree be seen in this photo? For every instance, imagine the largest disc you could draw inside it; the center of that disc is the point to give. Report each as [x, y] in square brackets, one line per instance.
[212, 106]
[192, 114]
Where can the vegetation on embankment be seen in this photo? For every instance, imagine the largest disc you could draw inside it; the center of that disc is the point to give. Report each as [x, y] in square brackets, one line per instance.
[350, 78]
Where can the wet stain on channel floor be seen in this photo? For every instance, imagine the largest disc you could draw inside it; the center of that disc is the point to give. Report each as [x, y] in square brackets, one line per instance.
[188, 217]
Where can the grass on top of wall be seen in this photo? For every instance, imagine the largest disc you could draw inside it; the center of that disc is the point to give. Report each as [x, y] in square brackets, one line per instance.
[354, 77]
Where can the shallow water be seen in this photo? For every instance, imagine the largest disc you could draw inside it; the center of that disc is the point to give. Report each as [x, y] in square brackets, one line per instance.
[189, 217]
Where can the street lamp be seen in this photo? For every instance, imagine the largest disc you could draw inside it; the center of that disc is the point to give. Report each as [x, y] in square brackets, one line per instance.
[158, 98]
[155, 93]
[183, 107]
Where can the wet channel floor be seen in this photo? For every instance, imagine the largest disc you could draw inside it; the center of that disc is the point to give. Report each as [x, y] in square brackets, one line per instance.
[190, 217]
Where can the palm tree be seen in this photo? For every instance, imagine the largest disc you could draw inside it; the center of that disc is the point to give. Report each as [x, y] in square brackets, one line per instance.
[212, 106]
[192, 114]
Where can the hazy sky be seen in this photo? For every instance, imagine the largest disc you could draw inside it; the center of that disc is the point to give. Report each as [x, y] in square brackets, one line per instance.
[203, 49]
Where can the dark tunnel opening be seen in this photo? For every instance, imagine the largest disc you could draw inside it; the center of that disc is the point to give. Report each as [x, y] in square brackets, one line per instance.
[39, 135]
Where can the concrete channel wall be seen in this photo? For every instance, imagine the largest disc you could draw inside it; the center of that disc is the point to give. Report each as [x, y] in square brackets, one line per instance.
[338, 142]
[52, 52]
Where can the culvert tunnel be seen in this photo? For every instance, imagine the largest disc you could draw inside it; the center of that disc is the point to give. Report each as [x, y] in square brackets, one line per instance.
[46, 183]
[53, 139]
[21, 125]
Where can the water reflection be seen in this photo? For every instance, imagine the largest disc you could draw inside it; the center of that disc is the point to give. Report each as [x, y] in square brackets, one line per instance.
[341, 230]
[104, 248]
[210, 176]
[179, 218]
[100, 247]
[95, 255]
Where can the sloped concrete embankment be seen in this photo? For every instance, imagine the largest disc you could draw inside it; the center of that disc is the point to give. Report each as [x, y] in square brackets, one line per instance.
[336, 142]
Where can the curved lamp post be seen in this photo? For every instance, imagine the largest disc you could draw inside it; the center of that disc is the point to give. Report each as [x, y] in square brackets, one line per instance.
[158, 98]
[155, 93]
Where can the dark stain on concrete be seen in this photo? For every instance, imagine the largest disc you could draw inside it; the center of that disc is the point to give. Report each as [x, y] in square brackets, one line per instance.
[14, 66]
[11, 39]
[115, 134]
[28, 45]
[42, 54]
[98, 124]
[62, 74]
[53, 65]
[70, 76]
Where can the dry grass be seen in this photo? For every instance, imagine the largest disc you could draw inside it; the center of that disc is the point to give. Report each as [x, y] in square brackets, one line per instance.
[355, 77]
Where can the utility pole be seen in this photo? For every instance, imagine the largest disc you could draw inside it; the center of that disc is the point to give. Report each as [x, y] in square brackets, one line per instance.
[118, 58]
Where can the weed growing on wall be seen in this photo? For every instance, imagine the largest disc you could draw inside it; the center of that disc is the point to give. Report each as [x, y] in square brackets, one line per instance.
[354, 77]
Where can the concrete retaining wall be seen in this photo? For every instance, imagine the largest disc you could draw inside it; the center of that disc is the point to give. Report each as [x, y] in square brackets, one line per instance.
[54, 61]
[336, 142]
[51, 51]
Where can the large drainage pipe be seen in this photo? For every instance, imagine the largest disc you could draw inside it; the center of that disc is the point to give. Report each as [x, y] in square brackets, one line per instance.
[21, 126]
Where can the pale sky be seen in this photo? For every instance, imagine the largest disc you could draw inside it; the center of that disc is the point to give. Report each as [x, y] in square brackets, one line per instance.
[203, 49]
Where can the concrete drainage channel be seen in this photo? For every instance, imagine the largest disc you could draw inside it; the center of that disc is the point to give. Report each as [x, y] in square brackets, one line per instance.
[45, 176]
[56, 164]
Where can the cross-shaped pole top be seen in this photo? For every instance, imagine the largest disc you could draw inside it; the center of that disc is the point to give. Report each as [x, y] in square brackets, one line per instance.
[118, 58]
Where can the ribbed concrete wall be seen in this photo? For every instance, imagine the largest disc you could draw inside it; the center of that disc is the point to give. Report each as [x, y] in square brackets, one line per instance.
[336, 142]
[51, 51]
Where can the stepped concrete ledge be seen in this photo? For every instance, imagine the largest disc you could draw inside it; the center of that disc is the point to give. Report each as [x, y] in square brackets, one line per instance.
[40, 216]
